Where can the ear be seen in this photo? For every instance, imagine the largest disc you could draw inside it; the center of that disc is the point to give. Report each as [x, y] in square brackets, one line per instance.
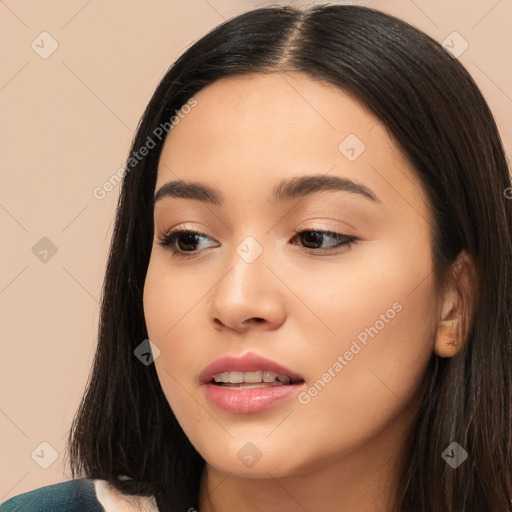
[456, 307]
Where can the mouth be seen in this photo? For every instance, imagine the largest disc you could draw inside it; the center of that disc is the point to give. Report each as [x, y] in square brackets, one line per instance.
[249, 384]
[248, 371]
[248, 380]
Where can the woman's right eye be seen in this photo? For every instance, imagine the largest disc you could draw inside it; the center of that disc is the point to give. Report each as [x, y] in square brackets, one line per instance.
[183, 242]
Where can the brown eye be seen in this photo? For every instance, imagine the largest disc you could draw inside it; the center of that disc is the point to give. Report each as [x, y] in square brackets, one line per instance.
[323, 240]
[181, 242]
[186, 241]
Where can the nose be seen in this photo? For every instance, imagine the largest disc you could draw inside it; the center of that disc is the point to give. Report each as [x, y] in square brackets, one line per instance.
[248, 296]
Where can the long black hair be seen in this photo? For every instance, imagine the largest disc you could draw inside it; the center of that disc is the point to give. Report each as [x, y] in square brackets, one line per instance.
[436, 114]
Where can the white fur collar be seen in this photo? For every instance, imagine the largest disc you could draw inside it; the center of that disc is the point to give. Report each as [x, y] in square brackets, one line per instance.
[114, 501]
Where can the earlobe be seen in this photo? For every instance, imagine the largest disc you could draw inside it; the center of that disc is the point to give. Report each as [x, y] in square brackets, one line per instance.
[448, 339]
[456, 311]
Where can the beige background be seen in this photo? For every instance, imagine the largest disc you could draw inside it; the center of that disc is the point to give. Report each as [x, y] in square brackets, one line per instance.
[66, 126]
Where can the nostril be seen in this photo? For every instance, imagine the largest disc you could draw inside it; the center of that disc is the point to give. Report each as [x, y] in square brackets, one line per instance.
[255, 319]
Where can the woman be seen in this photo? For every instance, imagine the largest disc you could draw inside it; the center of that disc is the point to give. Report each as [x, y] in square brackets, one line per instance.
[314, 232]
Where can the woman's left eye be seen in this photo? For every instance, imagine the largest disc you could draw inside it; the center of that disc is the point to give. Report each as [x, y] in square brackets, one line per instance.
[324, 241]
[185, 243]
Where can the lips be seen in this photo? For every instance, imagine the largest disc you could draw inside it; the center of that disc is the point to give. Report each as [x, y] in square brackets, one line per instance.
[229, 384]
[248, 362]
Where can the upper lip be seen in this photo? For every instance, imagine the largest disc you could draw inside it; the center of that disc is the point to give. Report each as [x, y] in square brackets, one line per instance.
[248, 362]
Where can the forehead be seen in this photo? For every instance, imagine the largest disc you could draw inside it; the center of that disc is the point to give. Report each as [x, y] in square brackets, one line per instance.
[282, 112]
[247, 133]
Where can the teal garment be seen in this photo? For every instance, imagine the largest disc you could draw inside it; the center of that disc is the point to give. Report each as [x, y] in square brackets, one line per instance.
[71, 496]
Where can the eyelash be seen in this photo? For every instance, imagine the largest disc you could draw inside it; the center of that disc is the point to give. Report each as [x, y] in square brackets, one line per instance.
[169, 239]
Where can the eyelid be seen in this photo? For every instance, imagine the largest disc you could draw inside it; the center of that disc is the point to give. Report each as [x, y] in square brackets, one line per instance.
[183, 229]
[325, 224]
[187, 227]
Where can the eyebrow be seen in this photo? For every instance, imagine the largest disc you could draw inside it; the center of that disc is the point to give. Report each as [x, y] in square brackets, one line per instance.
[286, 189]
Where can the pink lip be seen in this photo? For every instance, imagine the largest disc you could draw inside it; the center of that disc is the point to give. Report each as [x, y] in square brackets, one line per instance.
[251, 400]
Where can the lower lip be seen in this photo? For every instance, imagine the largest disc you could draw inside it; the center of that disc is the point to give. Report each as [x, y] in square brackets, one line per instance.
[249, 400]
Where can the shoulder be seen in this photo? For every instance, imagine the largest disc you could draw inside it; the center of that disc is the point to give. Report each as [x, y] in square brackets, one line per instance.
[79, 495]
[72, 496]
[113, 501]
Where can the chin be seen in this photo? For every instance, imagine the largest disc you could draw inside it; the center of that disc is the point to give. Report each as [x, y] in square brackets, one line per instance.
[258, 460]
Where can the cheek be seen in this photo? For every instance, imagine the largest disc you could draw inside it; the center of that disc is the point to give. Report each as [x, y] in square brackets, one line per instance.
[171, 303]
[169, 298]
[163, 301]
[158, 301]
[371, 366]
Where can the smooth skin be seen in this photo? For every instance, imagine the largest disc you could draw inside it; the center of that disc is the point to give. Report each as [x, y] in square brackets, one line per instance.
[297, 303]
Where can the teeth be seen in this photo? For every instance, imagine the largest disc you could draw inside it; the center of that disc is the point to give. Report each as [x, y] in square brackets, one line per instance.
[269, 376]
[251, 377]
[236, 377]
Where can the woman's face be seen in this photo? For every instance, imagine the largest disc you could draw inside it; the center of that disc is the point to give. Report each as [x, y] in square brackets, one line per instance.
[349, 315]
